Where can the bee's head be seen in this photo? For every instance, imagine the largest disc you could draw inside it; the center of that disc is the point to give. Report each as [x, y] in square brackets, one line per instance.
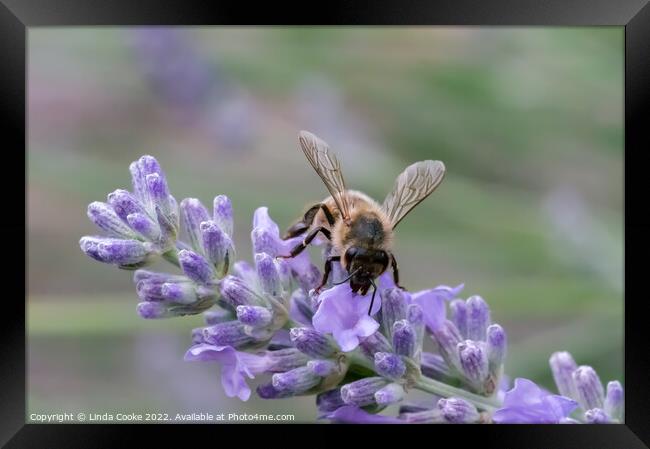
[364, 265]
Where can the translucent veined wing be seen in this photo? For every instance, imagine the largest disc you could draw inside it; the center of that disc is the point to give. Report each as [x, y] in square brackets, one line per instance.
[328, 168]
[412, 186]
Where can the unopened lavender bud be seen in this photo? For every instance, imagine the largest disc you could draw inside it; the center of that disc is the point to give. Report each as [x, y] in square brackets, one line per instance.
[196, 267]
[255, 316]
[264, 241]
[153, 310]
[404, 338]
[415, 317]
[329, 400]
[312, 342]
[144, 225]
[168, 224]
[222, 213]
[216, 246]
[125, 204]
[597, 416]
[458, 411]
[309, 278]
[473, 361]
[105, 218]
[393, 308]
[115, 251]
[496, 347]
[212, 317]
[268, 275]
[286, 359]
[588, 387]
[562, 367]
[447, 339]
[139, 171]
[614, 401]
[268, 391]
[237, 293]
[192, 214]
[322, 368]
[434, 366]
[158, 191]
[296, 381]
[230, 333]
[390, 394]
[478, 318]
[362, 392]
[389, 365]
[179, 292]
[375, 343]
[458, 309]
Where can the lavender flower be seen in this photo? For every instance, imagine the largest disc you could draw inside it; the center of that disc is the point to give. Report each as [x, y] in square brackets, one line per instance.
[527, 403]
[263, 319]
[141, 226]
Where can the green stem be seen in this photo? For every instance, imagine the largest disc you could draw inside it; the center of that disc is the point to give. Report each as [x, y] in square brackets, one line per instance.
[442, 389]
[171, 256]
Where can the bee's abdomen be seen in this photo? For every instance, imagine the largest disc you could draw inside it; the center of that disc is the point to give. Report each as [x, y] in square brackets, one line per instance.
[366, 230]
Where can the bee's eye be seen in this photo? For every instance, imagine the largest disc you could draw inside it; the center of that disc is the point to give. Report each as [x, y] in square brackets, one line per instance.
[382, 258]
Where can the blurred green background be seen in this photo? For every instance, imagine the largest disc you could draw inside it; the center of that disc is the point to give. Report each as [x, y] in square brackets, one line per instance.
[529, 122]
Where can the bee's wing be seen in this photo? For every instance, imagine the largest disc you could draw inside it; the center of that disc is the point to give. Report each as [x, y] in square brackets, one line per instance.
[412, 186]
[328, 168]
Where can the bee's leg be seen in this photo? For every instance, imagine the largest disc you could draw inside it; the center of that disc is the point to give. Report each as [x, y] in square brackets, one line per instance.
[304, 224]
[301, 246]
[328, 270]
[393, 262]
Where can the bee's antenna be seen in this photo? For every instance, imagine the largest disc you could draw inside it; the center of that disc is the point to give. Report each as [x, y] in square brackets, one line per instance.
[347, 278]
[372, 301]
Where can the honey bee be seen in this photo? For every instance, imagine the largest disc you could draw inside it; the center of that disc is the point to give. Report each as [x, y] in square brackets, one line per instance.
[359, 229]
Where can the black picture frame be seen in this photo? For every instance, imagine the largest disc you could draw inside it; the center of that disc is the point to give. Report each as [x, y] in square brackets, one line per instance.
[17, 16]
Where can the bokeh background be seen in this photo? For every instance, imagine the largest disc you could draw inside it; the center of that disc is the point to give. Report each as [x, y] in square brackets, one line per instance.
[529, 122]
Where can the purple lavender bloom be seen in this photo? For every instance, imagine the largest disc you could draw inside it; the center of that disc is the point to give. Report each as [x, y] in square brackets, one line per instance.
[329, 401]
[390, 394]
[254, 316]
[266, 239]
[562, 367]
[588, 387]
[404, 338]
[312, 342]
[105, 218]
[458, 411]
[222, 213]
[362, 392]
[192, 214]
[196, 267]
[433, 301]
[297, 380]
[235, 366]
[344, 314]
[350, 414]
[614, 401]
[526, 403]
[597, 416]
[116, 251]
[389, 365]
[478, 318]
